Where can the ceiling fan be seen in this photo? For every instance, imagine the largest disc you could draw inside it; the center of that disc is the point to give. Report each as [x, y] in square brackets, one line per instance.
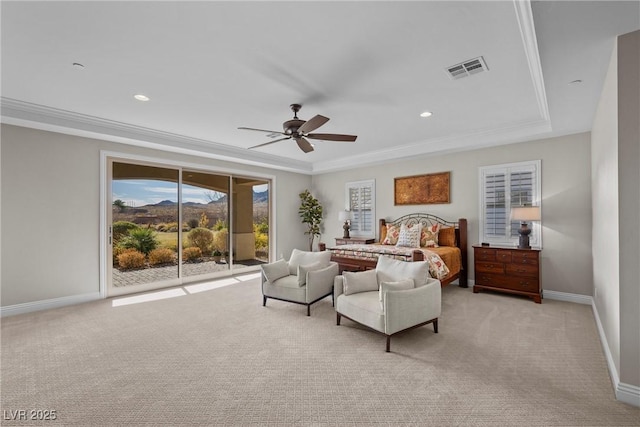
[298, 130]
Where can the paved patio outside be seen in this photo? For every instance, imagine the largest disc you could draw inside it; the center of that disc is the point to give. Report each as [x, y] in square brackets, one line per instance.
[148, 275]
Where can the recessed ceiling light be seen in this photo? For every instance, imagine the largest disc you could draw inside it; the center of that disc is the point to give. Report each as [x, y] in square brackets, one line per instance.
[575, 82]
[141, 97]
[426, 114]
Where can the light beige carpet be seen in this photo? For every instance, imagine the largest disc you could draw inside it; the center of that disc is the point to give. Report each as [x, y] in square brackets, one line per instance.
[220, 358]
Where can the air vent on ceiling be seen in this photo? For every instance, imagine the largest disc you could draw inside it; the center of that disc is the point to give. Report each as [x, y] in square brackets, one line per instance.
[466, 68]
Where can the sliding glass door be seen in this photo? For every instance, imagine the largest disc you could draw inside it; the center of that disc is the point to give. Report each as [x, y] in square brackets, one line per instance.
[205, 210]
[169, 225]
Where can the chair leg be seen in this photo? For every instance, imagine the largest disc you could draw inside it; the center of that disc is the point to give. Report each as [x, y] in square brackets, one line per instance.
[308, 309]
[264, 300]
[388, 343]
[338, 318]
[435, 326]
[333, 300]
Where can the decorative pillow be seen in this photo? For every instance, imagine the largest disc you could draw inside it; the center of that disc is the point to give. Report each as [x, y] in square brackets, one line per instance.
[303, 269]
[429, 236]
[393, 231]
[400, 285]
[275, 270]
[393, 270]
[299, 257]
[409, 236]
[360, 281]
[447, 236]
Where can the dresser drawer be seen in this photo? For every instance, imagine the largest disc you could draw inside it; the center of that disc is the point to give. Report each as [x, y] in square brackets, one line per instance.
[489, 267]
[530, 258]
[522, 270]
[526, 284]
[503, 256]
[482, 254]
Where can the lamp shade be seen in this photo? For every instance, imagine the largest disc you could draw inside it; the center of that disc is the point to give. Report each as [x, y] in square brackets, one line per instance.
[344, 215]
[526, 213]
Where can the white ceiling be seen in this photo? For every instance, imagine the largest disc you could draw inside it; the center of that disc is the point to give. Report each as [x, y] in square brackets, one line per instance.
[372, 67]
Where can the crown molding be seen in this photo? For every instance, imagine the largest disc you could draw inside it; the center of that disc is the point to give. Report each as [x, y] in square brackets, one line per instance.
[524, 16]
[464, 142]
[41, 117]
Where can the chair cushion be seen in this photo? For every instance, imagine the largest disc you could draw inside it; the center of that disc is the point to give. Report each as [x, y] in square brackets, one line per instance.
[360, 281]
[392, 270]
[363, 307]
[275, 270]
[287, 281]
[303, 269]
[400, 285]
[299, 257]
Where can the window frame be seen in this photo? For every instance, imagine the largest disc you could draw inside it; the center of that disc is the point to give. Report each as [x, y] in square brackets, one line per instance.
[536, 200]
[367, 183]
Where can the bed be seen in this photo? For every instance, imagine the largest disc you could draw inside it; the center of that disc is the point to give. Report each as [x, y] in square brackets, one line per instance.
[450, 250]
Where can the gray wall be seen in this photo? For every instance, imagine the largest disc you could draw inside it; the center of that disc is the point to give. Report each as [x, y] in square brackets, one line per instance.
[566, 200]
[604, 182]
[50, 200]
[616, 247]
[629, 197]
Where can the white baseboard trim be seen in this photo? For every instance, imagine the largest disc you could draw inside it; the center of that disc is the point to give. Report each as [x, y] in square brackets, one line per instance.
[28, 307]
[564, 296]
[626, 393]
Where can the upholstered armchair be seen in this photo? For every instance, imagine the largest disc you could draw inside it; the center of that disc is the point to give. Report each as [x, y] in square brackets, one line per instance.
[393, 298]
[305, 279]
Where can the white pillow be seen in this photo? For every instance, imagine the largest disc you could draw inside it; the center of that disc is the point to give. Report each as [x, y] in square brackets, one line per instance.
[299, 257]
[393, 270]
[400, 285]
[410, 236]
[275, 270]
[360, 281]
[303, 269]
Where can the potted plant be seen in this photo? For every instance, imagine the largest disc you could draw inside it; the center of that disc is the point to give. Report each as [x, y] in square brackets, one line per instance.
[310, 212]
[217, 255]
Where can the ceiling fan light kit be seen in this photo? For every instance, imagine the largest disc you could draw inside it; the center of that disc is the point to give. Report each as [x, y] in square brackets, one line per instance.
[299, 130]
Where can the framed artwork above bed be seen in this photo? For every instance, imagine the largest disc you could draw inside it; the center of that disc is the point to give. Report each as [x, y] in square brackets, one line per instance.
[427, 189]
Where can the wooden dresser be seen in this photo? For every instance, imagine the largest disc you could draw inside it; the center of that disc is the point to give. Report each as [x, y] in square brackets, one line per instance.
[511, 270]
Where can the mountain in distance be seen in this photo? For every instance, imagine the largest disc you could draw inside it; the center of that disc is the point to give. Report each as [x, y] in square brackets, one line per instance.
[260, 197]
[163, 203]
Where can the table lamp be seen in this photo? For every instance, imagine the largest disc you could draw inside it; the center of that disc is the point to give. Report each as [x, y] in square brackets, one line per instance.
[345, 216]
[525, 214]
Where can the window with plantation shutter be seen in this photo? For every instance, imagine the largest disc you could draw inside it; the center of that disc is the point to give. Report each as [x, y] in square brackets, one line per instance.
[501, 188]
[360, 200]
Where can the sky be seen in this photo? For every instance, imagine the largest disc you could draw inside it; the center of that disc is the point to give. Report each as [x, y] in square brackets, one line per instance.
[140, 192]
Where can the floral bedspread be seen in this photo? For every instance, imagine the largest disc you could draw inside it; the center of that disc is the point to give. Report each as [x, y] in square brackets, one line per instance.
[437, 267]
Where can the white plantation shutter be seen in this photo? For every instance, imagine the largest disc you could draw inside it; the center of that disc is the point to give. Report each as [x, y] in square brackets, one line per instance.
[361, 202]
[501, 188]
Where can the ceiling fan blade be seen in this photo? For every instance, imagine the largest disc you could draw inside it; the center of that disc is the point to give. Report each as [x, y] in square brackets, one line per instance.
[313, 124]
[263, 130]
[332, 137]
[270, 142]
[304, 145]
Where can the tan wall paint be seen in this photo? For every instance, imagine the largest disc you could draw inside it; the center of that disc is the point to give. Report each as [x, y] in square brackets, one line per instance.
[566, 204]
[50, 211]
